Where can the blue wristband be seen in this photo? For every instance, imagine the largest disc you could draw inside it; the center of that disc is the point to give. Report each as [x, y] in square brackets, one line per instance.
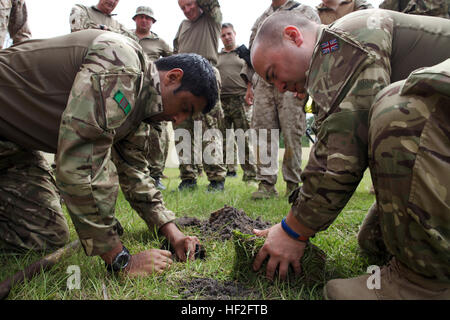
[292, 233]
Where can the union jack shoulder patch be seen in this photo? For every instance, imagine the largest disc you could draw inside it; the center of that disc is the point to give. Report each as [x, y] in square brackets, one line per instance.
[329, 46]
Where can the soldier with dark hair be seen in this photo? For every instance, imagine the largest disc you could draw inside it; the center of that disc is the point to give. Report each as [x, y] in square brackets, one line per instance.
[88, 97]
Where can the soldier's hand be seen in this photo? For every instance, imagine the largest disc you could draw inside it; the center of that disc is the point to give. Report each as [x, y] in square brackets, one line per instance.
[149, 261]
[282, 251]
[185, 247]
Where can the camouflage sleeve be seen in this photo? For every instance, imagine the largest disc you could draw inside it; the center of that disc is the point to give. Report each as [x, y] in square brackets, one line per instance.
[18, 22]
[362, 4]
[212, 9]
[339, 157]
[436, 8]
[85, 174]
[390, 5]
[135, 181]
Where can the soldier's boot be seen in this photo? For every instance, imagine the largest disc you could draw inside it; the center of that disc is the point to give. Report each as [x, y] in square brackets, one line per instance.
[290, 187]
[159, 185]
[396, 282]
[265, 191]
[187, 184]
[216, 186]
[231, 174]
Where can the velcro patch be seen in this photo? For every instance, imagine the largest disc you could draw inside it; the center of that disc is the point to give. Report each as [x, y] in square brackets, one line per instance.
[122, 101]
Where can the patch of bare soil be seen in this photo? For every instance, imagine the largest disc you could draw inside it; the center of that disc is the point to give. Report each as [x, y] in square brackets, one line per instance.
[211, 289]
[222, 223]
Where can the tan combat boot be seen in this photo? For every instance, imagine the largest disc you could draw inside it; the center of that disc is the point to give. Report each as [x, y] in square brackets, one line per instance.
[396, 282]
[265, 191]
[290, 186]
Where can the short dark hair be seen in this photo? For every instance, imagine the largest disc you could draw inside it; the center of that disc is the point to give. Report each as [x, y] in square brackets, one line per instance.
[199, 77]
[227, 25]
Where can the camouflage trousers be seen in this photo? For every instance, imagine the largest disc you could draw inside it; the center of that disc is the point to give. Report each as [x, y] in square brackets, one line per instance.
[158, 148]
[215, 171]
[273, 110]
[237, 115]
[409, 159]
[31, 216]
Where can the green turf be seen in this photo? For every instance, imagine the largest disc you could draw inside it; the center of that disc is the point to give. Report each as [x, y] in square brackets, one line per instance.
[338, 242]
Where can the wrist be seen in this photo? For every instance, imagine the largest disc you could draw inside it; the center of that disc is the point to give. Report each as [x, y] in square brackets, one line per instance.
[109, 256]
[292, 233]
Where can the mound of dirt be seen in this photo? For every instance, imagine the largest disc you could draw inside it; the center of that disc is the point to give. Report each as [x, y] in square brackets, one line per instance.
[222, 223]
[211, 289]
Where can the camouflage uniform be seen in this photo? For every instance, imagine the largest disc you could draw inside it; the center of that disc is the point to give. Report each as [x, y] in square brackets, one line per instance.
[368, 56]
[202, 37]
[328, 15]
[13, 19]
[437, 8]
[83, 17]
[274, 110]
[99, 137]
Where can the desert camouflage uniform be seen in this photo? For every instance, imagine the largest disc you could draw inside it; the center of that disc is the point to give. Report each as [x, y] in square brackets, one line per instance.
[437, 8]
[206, 46]
[100, 142]
[343, 83]
[13, 20]
[274, 110]
[158, 150]
[328, 15]
[83, 17]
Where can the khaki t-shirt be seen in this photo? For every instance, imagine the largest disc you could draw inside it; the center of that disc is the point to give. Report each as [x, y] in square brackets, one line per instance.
[155, 47]
[230, 67]
[201, 36]
[41, 83]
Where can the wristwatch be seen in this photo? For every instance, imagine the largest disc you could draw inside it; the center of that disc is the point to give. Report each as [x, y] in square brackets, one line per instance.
[120, 261]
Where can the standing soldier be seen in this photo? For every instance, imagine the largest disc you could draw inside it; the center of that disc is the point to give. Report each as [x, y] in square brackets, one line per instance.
[237, 113]
[87, 95]
[13, 20]
[154, 47]
[331, 10]
[400, 133]
[200, 33]
[436, 8]
[277, 111]
[97, 17]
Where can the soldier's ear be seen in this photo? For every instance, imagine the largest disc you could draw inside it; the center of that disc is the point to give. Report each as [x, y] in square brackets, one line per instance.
[293, 34]
[173, 76]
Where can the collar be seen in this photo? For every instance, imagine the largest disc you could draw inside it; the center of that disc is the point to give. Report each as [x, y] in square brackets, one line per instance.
[150, 99]
[98, 10]
[151, 36]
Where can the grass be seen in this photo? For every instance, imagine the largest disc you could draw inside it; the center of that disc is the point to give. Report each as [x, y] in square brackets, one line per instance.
[338, 242]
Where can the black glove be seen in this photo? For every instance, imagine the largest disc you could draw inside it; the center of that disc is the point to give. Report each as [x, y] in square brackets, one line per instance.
[244, 53]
